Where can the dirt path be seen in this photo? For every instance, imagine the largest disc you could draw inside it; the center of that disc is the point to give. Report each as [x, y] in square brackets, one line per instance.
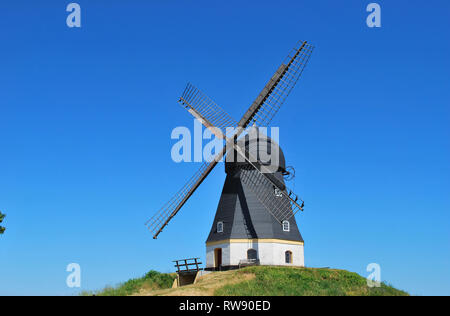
[205, 286]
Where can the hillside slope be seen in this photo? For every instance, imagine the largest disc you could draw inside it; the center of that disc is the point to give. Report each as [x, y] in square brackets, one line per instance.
[260, 280]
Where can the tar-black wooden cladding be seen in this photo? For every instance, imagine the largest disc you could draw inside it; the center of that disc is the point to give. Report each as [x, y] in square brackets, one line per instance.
[243, 214]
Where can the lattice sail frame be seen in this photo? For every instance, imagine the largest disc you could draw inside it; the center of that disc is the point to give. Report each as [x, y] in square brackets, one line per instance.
[261, 112]
[280, 207]
[193, 99]
[161, 218]
[291, 69]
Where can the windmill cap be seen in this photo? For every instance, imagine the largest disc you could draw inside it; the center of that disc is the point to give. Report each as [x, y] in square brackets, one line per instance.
[261, 148]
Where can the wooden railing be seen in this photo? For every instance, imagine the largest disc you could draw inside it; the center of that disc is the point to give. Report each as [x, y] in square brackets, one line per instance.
[183, 265]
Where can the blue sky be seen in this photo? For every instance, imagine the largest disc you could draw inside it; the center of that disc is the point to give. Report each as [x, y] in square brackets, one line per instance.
[86, 116]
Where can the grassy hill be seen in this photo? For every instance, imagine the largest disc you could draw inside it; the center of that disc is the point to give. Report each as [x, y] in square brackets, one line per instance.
[258, 280]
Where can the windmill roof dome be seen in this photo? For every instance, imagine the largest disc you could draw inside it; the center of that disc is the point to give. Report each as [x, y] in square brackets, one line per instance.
[261, 147]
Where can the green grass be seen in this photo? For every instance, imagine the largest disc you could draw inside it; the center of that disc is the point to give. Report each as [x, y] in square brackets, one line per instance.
[153, 280]
[268, 281]
[287, 281]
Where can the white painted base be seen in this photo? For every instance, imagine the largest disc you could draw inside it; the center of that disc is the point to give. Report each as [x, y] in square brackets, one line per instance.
[269, 252]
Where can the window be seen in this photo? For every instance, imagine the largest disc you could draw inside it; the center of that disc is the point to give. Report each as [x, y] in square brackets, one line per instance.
[220, 227]
[278, 193]
[286, 225]
[252, 254]
[288, 256]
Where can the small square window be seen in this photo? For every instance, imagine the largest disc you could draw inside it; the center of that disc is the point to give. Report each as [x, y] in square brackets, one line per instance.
[286, 225]
[220, 227]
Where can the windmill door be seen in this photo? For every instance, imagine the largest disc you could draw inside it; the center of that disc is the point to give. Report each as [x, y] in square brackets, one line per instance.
[218, 257]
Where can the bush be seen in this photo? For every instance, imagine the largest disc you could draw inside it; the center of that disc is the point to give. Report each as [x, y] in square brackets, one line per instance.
[162, 280]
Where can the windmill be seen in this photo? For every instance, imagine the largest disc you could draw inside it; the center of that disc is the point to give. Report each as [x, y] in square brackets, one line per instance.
[255, 219]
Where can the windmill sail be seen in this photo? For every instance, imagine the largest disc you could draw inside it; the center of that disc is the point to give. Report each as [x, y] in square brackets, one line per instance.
[160, 220]
[289, 73]
[212, 115]
[280, 85]
[281, 207]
